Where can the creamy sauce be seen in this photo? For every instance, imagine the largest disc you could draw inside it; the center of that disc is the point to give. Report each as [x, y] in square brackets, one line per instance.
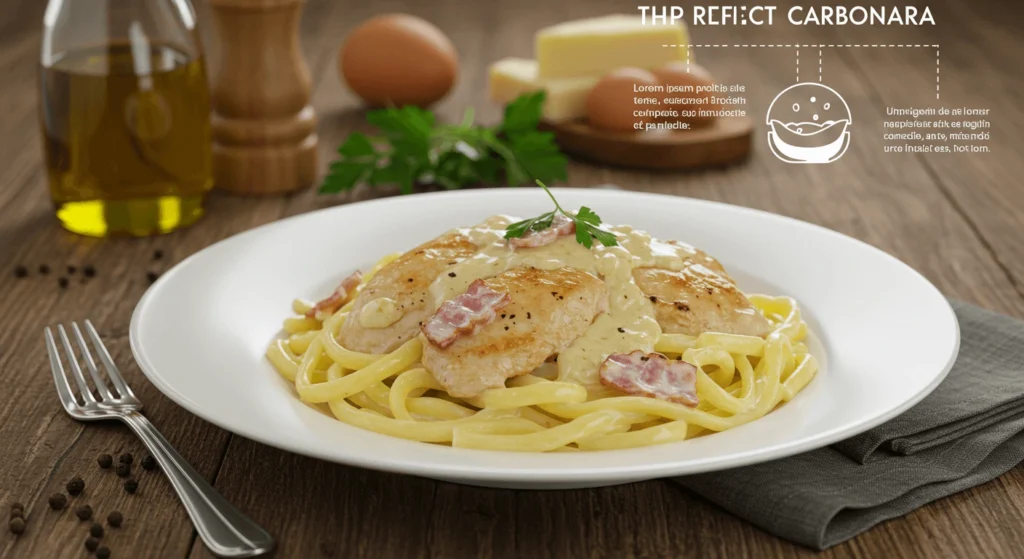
[628, 308]
[380, 313]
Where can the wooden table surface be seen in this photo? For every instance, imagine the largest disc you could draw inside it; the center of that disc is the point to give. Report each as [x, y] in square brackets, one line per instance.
[958, 219]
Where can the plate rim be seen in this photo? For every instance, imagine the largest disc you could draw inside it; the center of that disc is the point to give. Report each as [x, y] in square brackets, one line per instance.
[550, 475]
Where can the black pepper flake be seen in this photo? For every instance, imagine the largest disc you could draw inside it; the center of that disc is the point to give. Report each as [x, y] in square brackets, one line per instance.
[653, 299]
[91, 544]
[682, 307]
[96, 530]
[149, 463]
[560, 297]
[58, 501]
[123, 470]
[451, 274]
[16, 525]
[89, 271]
[554, 293]
[126, 458]
[527, 316]
[115, 519]
[130, 485]
[158, 254]
[621, 331]
[410, 280]
[644, 358]
[711, 291]
[105, 461]
[511, 316]
[75, 486]
[84, 512]
[71, 270]
[20, 272]
[102, 552]
[151, 277]
[506, 328]
[44, 269]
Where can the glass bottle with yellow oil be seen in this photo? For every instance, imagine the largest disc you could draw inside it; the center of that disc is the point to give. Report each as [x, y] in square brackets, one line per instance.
[125, 115]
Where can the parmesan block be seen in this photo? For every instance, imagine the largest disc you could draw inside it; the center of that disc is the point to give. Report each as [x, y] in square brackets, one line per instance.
[566, 98]
[593, 47]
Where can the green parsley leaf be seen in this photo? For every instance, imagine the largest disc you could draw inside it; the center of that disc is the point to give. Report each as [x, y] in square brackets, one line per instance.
[587, 224]
[413, 149]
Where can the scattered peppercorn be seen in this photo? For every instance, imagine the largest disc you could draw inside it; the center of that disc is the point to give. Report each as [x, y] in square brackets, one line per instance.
[17, 525]
[130, 485]
[158, 254]
[115, 519]
[17, 513]
[58, 501]
[105, 461]
[17, 506]
[44, 269]
[653, 299]
[151, 277]
[123, 470]
[102, 552]
[527, 316]
[91, 544]
[89, 271]
[72, 270]
[96, 530]
[63, 283]
[149, 463]
[75, 486]
[451, 274]
[84, 512]
[622, 331]
[20, 272]
[126, 458]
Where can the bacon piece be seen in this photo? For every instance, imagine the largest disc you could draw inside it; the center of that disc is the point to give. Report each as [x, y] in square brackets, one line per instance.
[560, 227]
[336, 300]
[464, 314]
[652, 375]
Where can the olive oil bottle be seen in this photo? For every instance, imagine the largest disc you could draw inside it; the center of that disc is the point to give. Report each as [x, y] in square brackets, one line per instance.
[126, 127]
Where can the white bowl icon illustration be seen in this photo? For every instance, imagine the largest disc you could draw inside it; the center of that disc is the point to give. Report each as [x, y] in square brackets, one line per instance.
[808, 123]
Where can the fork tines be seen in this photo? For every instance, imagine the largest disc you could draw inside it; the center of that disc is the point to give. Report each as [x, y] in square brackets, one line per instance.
[101, 395]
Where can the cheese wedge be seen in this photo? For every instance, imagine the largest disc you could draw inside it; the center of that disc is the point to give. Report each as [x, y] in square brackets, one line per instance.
[593, 47]
[566, 98]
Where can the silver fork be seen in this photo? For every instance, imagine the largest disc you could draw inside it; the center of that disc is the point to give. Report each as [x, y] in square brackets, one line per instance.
[223, 528]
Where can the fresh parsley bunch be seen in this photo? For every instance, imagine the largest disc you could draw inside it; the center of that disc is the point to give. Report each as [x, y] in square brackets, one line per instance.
[413, 149]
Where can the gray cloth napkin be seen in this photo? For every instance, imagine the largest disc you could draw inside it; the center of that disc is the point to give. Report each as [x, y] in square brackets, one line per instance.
[968, 431]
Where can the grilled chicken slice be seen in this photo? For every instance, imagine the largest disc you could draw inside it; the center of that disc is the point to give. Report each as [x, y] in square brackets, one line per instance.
[549, 309]
[406, 281]
[699, 299]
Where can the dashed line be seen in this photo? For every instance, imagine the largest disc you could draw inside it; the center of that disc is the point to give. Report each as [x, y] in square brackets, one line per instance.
[819, 65]
[936, 71]
[687, 61]
[799, 46]
[797, 65]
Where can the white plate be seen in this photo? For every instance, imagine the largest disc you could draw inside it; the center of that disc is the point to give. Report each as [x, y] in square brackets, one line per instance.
[885, 336]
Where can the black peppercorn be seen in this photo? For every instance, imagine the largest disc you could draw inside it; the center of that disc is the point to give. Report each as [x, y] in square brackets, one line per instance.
[62, 283]
[102, 552]
[91, 544]
[75, 486]
[149, 463]
[17, 506]
[17, 525]
[71, 270]
[123, 470]
[105, 461]
[58, 501]
[17, 513]
[115, 519]
[44, 269]
[84, 512]
[126, 458]
[130, 485]
[20, 272]
[89, 271]
[152, 276]
[96, 530]
[158, 254]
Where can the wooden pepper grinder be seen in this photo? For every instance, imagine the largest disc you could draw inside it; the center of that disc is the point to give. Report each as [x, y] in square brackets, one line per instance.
[264, 131]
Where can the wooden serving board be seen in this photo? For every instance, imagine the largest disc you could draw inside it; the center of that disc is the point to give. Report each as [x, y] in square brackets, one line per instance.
[724, 142]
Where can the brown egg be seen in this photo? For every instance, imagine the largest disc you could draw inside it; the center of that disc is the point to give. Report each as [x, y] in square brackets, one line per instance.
[398, 59]
[675, 74]
[612, 102]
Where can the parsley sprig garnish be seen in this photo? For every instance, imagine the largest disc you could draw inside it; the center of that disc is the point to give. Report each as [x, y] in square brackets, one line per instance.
[587, 224]
[413, 149]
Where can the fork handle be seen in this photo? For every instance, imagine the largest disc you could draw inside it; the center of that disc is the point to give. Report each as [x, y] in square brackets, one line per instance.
[223, 528]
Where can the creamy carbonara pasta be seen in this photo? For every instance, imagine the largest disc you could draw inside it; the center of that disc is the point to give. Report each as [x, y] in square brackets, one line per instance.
[542, 344]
